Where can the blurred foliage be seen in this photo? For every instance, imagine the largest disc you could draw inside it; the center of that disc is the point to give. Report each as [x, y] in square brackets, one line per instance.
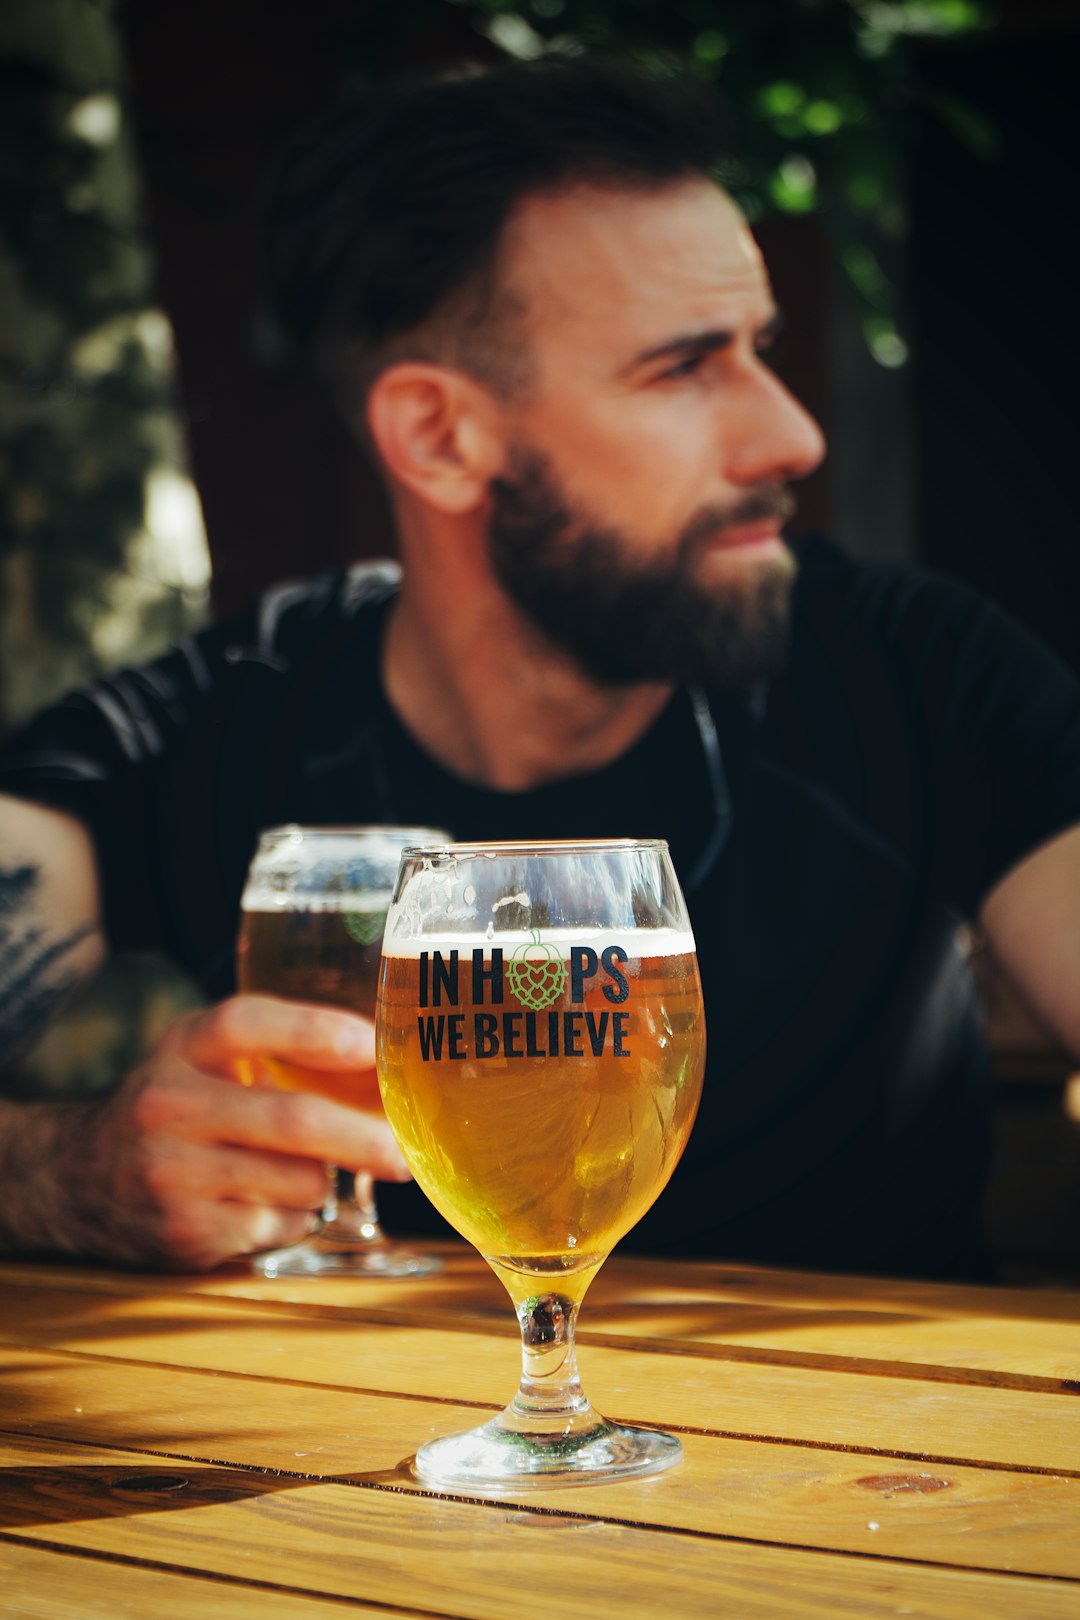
[101, 552]
[102, 556]
[825, 98]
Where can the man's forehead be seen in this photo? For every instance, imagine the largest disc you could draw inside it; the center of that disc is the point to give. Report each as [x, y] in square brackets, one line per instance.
[626, 263]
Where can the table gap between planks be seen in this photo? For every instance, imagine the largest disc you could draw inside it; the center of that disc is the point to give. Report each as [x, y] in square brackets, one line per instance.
[240, 1447]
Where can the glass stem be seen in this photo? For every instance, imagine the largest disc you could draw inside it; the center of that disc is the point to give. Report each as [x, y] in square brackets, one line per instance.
[550, 1385]
[356, 1219]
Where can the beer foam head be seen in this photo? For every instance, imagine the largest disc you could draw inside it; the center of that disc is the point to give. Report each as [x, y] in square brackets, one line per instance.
[603, 889]
[328, 868]
[637, 943]
[258, 898]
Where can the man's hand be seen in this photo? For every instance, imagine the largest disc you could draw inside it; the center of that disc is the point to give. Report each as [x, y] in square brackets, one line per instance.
[181, 1166]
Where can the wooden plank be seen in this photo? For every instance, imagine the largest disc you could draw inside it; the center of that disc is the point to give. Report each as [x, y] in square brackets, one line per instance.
[985, 1335]
[983, 1518]
[909, 1418]
[468, 1559]
[664, 1288]
[38, 1584]
[472, 1288]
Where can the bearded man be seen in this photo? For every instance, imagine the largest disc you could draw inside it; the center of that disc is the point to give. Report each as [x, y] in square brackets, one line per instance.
[551, 328]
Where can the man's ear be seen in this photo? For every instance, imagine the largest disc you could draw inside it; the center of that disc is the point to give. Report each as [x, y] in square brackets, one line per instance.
[437, 432]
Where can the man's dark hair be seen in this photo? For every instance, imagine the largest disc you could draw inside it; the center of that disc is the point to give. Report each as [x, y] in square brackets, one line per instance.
[384, 217]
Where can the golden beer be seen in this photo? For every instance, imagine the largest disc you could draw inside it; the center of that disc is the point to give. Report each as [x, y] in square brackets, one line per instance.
[540, 1047]
[543, 1107]
[313, 912]
[322, 955]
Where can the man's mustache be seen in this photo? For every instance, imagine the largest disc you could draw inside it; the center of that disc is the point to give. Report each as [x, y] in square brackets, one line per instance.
[770, 501]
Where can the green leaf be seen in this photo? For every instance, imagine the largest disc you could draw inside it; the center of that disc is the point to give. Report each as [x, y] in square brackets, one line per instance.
[865, 191]
[710, 46]
[866, 275]
[793, 186]
[822, 117]
[884, 341]
[781, 100]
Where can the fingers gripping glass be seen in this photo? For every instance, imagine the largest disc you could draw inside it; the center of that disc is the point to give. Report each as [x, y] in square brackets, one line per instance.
[541, 1044]
[311, 928]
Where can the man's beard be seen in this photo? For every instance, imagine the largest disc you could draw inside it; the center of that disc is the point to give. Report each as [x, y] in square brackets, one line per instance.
[626, 621]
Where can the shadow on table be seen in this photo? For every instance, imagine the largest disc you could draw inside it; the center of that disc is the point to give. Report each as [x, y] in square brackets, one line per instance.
[652, 1299]
[33, 1495]
[67, 1493]
[81, 1322]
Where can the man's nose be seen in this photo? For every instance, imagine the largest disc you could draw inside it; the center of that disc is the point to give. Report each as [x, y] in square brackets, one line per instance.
[772, 438]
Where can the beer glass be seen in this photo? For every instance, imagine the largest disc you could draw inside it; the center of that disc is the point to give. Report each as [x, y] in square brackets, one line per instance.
[541, 1044]
[312, 918]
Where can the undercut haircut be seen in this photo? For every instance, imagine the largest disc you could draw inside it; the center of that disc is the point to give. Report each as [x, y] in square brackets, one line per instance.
[384, 217]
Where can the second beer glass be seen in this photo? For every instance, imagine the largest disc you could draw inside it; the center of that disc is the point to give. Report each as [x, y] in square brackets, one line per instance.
[311, 930]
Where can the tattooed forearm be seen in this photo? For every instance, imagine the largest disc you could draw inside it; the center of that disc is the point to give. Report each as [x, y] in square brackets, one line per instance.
[34, 1217]
[36, 966]
[17, 887]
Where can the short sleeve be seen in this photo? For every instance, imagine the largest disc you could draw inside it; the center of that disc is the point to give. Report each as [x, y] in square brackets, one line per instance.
[175, 767]
[138, 759]
[995, 721]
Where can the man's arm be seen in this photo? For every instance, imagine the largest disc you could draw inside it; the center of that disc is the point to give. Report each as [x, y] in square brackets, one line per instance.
[1032, 920]
[51, 937]
[180, 1165]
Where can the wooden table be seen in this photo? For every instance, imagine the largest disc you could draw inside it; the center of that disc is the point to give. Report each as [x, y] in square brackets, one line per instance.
[234, 1447]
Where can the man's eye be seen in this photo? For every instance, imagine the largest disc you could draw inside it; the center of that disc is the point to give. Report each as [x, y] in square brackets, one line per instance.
[684, 367]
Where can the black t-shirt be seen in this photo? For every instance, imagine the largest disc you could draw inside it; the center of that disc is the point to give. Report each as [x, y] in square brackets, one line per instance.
[828, 832]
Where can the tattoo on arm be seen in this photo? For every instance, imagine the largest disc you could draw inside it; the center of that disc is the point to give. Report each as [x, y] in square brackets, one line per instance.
[36, 972]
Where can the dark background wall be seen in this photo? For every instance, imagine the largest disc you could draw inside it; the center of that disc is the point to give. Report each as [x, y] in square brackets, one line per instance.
[993, 276]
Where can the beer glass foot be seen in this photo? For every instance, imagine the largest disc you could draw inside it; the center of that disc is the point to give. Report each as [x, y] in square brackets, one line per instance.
[499, 1456]
[550, 1434]
[325, 1256]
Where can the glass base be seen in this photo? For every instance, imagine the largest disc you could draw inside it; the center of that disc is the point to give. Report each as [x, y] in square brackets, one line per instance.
[498, 1456]
[326, 1256]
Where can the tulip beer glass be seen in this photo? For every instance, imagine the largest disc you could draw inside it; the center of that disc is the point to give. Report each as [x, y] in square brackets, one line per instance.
[311, 929]
[541, 1044]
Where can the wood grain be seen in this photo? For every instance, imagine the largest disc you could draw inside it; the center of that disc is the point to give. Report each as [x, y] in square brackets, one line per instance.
[466, 1559]
[755, 1491]
[229, 1445]
[989, 1335]
[876, 1413]
[37, 1584]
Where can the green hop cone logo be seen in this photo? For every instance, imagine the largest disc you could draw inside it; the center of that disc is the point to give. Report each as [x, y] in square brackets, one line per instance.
[536, 974]
[365, 926]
